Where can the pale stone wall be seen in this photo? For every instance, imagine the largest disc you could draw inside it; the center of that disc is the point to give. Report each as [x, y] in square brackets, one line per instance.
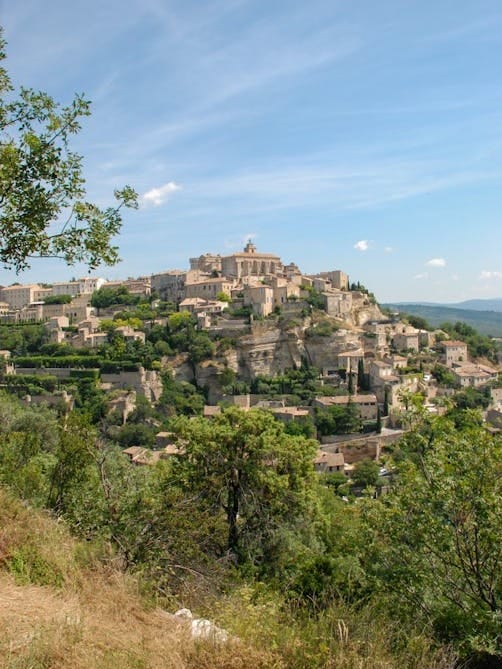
[18, 297]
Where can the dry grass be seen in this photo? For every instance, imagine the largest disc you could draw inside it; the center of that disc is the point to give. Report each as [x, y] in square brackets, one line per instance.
[62, 608]
[103, 626]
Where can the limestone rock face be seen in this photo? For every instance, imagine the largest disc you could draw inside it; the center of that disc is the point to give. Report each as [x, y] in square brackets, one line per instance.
[323, 351]
[363, 310]
[270, 347]
[207, 375]
[266, 351]
[145, 382]
[152, 385]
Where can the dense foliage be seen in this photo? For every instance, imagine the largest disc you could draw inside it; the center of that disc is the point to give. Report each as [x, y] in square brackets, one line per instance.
[241, 501]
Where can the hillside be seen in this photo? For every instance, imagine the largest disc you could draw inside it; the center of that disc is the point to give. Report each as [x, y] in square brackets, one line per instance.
[64, 604]
[485, 322]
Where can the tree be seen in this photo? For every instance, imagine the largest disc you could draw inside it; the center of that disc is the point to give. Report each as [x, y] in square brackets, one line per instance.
[43, 210]
[223, 297]
[386, 402]
[379, 421]
[438, 534]
[362, 377]
[244, 465]
[365, 473]
[58, 299]
[338, 419]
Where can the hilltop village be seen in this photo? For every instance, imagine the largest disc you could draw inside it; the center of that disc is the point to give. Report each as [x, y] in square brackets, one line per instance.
[244, 329]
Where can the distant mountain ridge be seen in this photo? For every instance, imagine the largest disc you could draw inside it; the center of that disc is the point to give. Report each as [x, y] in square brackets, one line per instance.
[487, 322]
[487, 304]
[493, 304]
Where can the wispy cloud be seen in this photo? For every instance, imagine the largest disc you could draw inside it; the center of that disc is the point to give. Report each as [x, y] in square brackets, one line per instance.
[487, 275]
[239, 242]
[436, 262]
[389, 249]
[361, 245]
[423, 275]
[160, 195]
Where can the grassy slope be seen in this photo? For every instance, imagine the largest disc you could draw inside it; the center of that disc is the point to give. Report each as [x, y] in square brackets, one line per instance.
[63, 606]
[485, 322]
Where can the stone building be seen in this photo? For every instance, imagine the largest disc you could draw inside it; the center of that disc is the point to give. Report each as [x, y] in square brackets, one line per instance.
[84, 286]
[208, 289]
[260, 297]
[338, 279]
[169, 285]
[337, 303]
[209, 263]
[251, 263]
[367, 404]
[19, 296]
[406, 340]
[454, 352]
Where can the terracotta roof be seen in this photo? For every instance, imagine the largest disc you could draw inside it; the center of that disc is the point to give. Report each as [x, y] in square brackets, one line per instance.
[329, 459]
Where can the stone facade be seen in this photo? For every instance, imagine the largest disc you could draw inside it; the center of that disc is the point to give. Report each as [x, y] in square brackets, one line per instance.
[454, 352]
[251, 263]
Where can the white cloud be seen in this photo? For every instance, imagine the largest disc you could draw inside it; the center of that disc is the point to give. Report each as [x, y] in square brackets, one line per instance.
[455, 277]
[424, 275]
[389, 249]
[362, 245]
[436, 262]
[486, 275]
[158, 196]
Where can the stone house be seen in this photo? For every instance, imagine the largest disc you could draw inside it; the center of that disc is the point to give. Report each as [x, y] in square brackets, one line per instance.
[337, 303]
[473, 375]
[283, 290]
[321, 285]
[208, 289]
[327, 463]
[406, 340]
[454, 352]
[397, 361]
[260, 297]
[337, 278]
[130, 334]
[367, 404]
[197, 305]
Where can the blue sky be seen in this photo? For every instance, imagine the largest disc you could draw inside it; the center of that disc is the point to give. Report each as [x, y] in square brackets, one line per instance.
[364, 136]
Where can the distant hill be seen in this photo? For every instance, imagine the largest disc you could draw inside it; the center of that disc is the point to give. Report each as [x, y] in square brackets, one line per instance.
[494, 304]
[485, 322]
